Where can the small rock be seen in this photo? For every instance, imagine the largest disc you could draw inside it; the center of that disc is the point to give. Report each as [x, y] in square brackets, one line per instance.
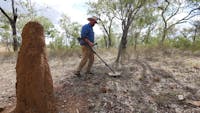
[172, 86]
[140, 77]
[181, 97]
[91, 106]
[156, 79]
[103, 90]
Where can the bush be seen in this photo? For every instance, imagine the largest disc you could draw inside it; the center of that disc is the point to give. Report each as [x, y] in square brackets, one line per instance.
[182, 43]
[196, 45]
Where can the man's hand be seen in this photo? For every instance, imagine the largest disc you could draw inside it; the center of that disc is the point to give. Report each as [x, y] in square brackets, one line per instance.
[91, 44]
[88, 42]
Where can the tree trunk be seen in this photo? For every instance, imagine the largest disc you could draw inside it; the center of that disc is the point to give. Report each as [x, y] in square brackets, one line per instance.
[146, 40]
[105, 41]
[195, 34]
[12, 24]
[14, 34]
[163, 37]
[122, 46]
[109, 41]
[135, 46]
[34, 87]
[119, 52]
[110, 32]
[7, 46]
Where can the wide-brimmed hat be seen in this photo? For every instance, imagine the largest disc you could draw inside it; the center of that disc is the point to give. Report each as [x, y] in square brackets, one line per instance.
[93, 18]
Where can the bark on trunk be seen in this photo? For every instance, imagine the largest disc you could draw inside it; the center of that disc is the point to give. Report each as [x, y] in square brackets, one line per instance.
[109, 41]
[12, 21]
[194, 37]
[122, 46]
[146, 40]
[34, 87]
[105, 41]
[119, 52]
[135, 46]
[163, 37]
[14, 34]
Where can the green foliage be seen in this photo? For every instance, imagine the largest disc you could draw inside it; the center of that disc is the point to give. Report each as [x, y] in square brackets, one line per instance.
[115, 40]
[103, 9]
[101, 42]
[153, 42]
[49, 28]
[195, 46]
[182, 43]
[5, 33]
[57, 44]
[71, 30]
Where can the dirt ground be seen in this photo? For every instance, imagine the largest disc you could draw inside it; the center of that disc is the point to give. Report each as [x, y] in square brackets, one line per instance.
[152, 83]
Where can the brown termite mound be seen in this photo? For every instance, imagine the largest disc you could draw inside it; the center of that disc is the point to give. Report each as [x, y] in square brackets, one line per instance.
[34, 87]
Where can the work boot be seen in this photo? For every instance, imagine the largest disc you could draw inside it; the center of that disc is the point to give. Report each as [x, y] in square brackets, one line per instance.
[77, 73]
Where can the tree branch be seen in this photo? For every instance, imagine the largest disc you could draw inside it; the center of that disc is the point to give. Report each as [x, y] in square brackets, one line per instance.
[163, 12]
[188, 16]
[104, 27]
[177, 10]
[5, 14]
[111, 21]
[14, 11]
[184, 19]
[136, 10]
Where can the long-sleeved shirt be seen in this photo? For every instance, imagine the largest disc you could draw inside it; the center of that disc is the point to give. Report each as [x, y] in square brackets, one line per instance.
[87, 32]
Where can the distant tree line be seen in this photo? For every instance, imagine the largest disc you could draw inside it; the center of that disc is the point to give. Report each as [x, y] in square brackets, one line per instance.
[125, 23]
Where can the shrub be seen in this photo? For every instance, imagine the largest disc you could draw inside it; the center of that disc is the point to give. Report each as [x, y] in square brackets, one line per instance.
[182, 43]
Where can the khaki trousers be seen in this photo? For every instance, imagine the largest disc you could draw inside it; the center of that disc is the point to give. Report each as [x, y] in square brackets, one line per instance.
[87, 55]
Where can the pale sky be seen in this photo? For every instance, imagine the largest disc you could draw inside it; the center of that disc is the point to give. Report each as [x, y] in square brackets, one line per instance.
[75, 9]
[53, 9]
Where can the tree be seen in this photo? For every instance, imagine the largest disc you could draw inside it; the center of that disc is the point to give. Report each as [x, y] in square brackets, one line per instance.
[49, 28]
[5, 35]
[169, 11]
[126, 11]
[147, 21]
[102, 10]
[143, 25]
[30, 8]
[12, 21]
[196, 30]
[71, 30]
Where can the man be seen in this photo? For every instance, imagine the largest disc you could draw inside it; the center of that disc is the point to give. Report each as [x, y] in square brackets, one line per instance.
[87, 39]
